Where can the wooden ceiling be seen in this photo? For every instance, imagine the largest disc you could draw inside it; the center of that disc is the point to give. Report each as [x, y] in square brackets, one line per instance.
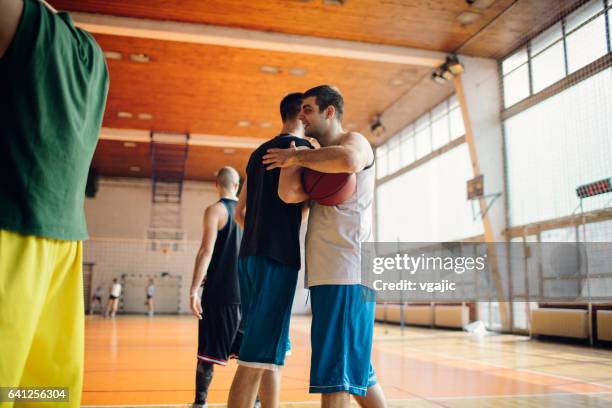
[120, 159]
[207, 89]
[521, 21]
[422, 24]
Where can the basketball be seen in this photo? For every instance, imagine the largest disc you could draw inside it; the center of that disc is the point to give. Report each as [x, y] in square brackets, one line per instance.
[328, 188]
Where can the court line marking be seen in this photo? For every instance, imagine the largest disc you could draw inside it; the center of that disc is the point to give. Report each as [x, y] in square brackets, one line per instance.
[525, 370]
[449, 357]
[439, 399]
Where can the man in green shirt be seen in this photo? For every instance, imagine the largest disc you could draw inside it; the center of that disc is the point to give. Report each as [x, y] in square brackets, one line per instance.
[53, 87]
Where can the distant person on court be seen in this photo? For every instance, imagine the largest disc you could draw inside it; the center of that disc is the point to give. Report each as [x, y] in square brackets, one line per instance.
[268, 267]
[113, 299]
[342, 309]
[219, 307]
[53, 88]
[96, 300]
[150, 294]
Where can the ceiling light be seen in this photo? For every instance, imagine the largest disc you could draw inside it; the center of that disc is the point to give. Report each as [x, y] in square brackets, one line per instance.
[438, 78]
[129, 144]
[145, 116]
[297, 71]
[113, 55]
[467, 17]
[265, 125]
[134, 168]
[447, 71]
[377, 127]
[334, 2]
[244, 123]
[446, 74]
[124, 115]
[269, 69]
[453, 64]
[482, 4]
[229, 151]
[140, 58]
[396, 82]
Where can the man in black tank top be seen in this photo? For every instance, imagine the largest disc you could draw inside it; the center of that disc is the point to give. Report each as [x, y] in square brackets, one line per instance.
[268, 268]
[218, 309]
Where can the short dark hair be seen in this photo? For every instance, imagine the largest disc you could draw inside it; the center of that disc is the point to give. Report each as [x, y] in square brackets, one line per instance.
[290, 106]
[327, 95]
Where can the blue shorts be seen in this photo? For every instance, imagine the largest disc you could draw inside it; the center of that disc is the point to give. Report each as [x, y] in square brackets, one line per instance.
[341, 337]
[267, 289]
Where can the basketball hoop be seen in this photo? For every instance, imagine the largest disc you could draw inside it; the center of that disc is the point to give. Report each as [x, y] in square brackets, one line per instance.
[165, 240]
[475, 192]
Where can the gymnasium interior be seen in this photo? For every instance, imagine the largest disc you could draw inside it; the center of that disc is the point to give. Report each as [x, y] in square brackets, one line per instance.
[490, 121]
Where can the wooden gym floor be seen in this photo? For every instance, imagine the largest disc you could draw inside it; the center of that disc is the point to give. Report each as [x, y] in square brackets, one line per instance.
[135, 360]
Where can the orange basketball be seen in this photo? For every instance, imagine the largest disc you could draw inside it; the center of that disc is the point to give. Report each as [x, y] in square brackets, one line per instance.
[328, 188]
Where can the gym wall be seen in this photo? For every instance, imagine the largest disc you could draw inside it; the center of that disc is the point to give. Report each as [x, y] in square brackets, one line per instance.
[118, 218]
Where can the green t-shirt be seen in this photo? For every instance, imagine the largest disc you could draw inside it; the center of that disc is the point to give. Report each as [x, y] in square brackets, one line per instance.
[53, 87]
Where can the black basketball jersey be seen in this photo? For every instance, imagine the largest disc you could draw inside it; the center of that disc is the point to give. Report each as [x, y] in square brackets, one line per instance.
[271, 227]
[221, 286]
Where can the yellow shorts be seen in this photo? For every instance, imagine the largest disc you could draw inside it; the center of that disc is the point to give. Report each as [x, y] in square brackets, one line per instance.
[41, 315]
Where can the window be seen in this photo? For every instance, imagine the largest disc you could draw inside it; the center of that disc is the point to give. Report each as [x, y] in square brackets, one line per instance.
[586, 44]
[516, 85]
[548, 67]
[514, 61]
[440, 132]
[428, 203]
[516, 77]
[577, 40]
[548, 38]
[432, 130]
[423, 142]
[393, 154]
[548, 60]
[381, 161]
[583, 14]
[557, 145]
[407, 146]
[456, 123]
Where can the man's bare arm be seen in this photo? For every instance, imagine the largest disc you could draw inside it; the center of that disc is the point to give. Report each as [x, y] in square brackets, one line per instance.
[290, 188]
[212, 216]
[10, 14]
[305, 210]
[241, 206]
[351, 156]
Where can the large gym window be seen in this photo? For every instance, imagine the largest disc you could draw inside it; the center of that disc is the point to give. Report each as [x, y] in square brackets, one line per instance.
[570, 44]
[431, 131]
[556, 146]
[428, 203]
[425, 200]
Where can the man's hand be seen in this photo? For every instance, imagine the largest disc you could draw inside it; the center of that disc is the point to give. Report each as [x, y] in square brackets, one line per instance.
[280, 158]
[314, 142]
[196, 305]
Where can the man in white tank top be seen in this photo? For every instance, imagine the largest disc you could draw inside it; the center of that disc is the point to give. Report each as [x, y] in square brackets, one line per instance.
[342, 309]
